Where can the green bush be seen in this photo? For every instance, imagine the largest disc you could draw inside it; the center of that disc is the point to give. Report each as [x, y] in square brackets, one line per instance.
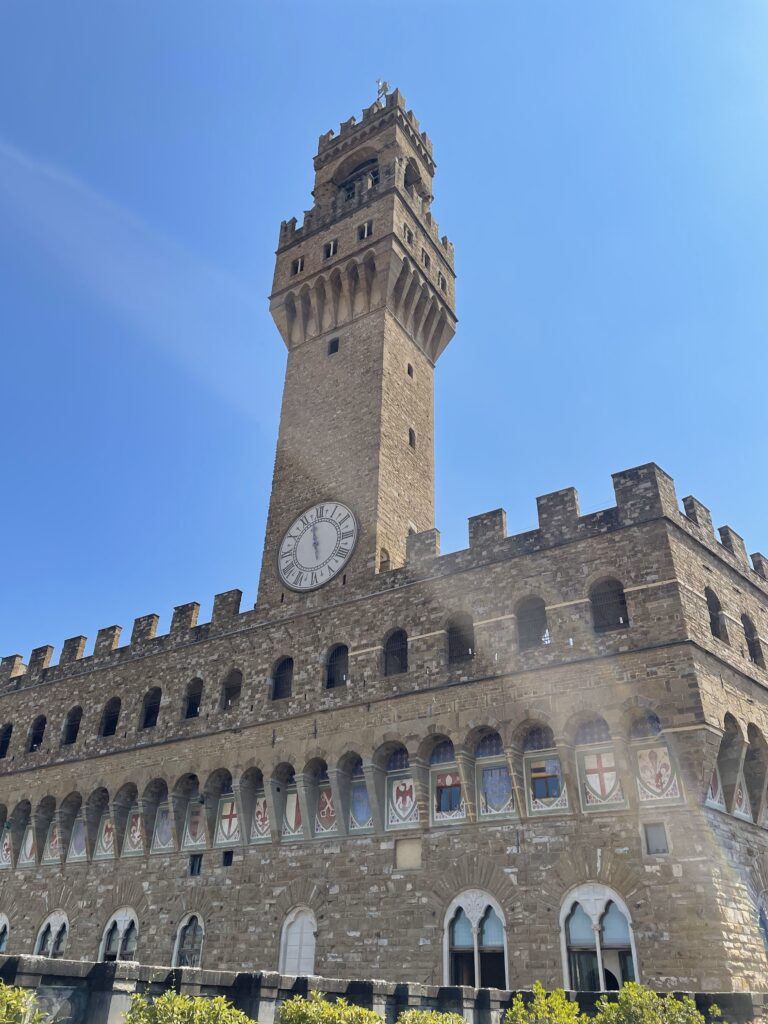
[317, 1010]
[545, 1008]
[171, 1008]
[19, 1006]
[429, 1017]
[639, 1005]
[634, 1004]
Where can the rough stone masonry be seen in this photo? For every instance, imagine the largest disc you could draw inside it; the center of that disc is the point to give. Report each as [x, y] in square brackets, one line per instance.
[540, 757]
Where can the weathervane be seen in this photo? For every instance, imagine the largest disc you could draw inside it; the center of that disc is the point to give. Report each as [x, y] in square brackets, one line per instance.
[383, 88]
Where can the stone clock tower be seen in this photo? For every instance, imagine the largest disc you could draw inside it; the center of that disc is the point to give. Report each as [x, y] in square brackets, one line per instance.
[363, 296]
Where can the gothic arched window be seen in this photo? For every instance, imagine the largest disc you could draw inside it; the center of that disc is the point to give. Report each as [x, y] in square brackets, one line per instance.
[715, 612]
[475, 942]
[598, 948]
[4, 933]
[282, 679]
[532, 628]
[189, 942]
[71, 727]
[337, 667]
[110, 717]
[120, 936]
[461, 639]
[150, 708]
[609, 606]
[36, 734]
[52, 937]
[396, 653]
[297, 943]
[754, 647]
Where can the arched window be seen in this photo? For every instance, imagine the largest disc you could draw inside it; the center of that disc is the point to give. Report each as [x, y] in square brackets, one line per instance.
[52, 937]
[545, 790]
[231, 689]
[609, 606]
[4, 933]
[716, 620]
[282, 679]
[396, 653]
[337, 667]
[120, 936]
[193, 698]
[150, 709]
[297, 943]
[5, 739]
[110, 717]
[36, 734]
[189, 942]
[644, 726]
[475, 942]
[461, 639]
[754, 647]
[71, 727]
[385, 562]
[594, 731]
[532, 628]
[598, 947]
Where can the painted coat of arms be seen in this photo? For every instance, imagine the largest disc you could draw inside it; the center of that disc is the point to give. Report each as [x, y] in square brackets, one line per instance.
[360, 808]
[194, 827]
[28, 854]
[52, 848]
[656, 777]
[162, 837]
[742, 807]
[496, 795]
[260, 822]
[105, 840]
[6, 850]
[227, 822]
[600, 780]
[292, 815]
[715, 796]
[402, 808]
[133, 843]
[325, 818]
[77, 848]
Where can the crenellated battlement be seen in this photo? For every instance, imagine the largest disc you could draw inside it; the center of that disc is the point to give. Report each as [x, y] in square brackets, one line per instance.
[351, 131]
[643, 494]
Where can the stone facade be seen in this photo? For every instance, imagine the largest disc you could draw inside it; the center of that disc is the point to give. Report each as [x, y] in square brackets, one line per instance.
[233, 786]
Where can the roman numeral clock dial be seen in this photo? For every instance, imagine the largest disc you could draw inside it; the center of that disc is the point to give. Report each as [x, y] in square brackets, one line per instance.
[317, 546]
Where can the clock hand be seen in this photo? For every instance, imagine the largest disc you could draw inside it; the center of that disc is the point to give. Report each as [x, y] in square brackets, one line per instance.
[315, 542]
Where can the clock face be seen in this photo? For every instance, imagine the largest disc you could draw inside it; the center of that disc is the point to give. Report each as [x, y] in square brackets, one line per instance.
[317, 546]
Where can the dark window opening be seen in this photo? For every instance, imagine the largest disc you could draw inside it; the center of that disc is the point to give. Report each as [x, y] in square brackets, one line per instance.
[151, 708]
[337, 667]
[231, 689]
[195, 864]
[5, 739]
[407, 234]
[461, 640]
[190, 948]
[532, 629]
[410, 370]
[110, 717]
[227, 858]
[594, 731]
[330, 248]
[71, 727]
[540, 737]
[609, 606]
[398, 760]
[36, 734]
[365, 231]
[282, 679]
[754, 647]
[716, 622]
[396, 653]
[112, 944]
[297, 266]
[333, 346]
[441, 281]
[656, 838]
[128, 945]
[3, 938]
[59, 943]
[193, 699]
[425, 259]
[645, 726]
[412, 437]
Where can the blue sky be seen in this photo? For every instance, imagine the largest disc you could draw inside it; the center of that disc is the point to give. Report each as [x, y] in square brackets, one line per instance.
[602, 172]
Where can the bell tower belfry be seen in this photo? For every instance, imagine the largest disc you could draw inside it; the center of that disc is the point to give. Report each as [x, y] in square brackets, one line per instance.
[363, 297]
